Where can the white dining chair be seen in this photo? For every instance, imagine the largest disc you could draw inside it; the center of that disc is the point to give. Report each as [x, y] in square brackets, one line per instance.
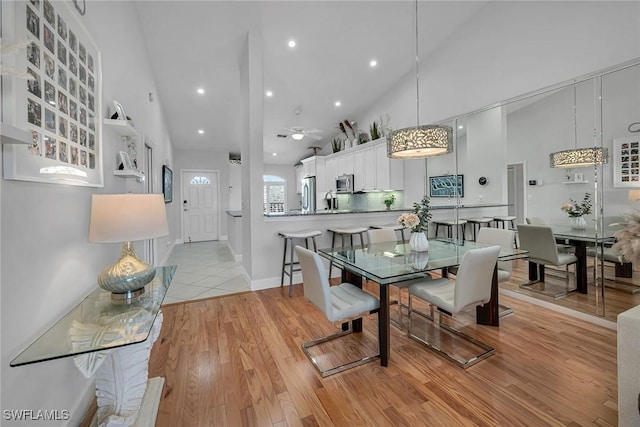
[339, 303]
[471, 288]
[540, 242]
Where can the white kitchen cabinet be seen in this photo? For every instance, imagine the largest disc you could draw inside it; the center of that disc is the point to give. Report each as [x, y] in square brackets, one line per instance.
[331, 171]
[389, 172]
[345, 164]
[370, 171]
[359, 168]
[315, 166]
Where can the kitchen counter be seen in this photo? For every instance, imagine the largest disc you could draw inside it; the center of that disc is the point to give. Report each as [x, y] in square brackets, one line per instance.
[236, 214]
[334, 212]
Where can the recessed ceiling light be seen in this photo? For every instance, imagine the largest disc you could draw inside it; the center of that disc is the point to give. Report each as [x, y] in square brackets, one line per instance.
[292, 43]
[200, 131]
[460, 127]
[338, 103]
[200, 91]
[373, 63]
[269, 93]
[274, 154]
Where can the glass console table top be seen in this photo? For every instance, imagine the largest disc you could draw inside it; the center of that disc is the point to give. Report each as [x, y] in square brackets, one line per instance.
[390, 262]
[605, 234]
[99, 323]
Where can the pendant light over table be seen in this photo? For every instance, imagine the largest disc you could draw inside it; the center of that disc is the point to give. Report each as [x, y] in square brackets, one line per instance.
[419, 141]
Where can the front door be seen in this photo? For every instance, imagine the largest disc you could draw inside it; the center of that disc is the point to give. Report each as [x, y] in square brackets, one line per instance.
[200, 206]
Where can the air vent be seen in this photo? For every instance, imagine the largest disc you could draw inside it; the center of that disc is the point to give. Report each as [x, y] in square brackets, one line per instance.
[280, 135]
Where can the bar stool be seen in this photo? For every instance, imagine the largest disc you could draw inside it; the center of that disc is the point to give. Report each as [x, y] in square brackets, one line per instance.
[291, 237]
[501, 221]
[345, 232]
[449, 224]
[395, 227]
[478, 222]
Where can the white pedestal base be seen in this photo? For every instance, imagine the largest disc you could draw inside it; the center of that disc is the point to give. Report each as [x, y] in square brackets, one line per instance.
[150, 404]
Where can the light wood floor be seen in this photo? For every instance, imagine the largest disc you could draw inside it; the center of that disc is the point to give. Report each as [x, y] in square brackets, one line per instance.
[236, 361]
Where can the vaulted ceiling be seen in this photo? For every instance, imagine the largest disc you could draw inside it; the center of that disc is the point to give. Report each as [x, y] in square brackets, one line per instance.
[198, 44]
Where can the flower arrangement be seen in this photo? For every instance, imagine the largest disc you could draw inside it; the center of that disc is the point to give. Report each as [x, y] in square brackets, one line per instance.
[418, 221]
[389, 199]
[575, 209]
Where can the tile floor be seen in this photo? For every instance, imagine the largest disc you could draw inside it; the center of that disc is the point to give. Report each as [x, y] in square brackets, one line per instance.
[205, 269]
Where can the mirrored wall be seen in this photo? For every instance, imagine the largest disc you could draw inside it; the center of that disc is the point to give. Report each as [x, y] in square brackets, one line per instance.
[502, 155]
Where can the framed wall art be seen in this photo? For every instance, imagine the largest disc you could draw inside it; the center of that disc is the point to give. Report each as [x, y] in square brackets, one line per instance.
[446, 186]
[60, 104]
[167, 183]
[626, 162]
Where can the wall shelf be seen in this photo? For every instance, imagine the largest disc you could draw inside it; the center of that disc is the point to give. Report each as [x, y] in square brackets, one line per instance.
[129, 173]
[13, 135]
[123, 127]
[575, 182]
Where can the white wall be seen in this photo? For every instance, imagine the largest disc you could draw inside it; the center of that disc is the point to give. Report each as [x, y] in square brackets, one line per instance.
[235, 187]
[206, 160]
[48, 265]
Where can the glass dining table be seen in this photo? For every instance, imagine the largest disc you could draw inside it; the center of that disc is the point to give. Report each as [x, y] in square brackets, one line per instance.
[387, 263]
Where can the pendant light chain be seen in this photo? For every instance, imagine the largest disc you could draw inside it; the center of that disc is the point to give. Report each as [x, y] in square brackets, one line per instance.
[417, 72]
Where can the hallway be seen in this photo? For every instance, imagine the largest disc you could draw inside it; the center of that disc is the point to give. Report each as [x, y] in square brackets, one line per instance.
[205, 270]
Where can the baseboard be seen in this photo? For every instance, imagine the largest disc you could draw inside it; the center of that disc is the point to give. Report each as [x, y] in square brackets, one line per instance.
[599, 321]
[274, 282]
[166, 257]
[223, 238]
[236, 257]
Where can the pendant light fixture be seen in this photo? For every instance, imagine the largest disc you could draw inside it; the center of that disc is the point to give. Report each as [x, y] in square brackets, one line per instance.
[578, 157]
[419, 141]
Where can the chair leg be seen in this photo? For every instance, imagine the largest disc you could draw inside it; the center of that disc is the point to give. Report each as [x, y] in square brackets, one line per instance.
[292, 246]
[284, 260]
[333, 241]
[463, 363]
[326, 372]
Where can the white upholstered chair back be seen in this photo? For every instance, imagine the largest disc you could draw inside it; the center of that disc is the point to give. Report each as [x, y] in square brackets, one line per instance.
[540, 242]
[475, 275]
[316, 281]
[501, 237]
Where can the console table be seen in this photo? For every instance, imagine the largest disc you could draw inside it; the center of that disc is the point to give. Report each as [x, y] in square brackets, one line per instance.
[112, 341]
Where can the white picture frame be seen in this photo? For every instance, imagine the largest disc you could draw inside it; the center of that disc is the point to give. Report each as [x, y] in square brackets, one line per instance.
[578, 177]
[119, 109]
[626, 162]
[125, 160]
[62, 105]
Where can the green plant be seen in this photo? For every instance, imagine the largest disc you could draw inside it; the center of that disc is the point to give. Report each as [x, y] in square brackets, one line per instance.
[363, 137]
[336, 144]
[575, 209]
[389, 199]
[417, 221]
[374, 130]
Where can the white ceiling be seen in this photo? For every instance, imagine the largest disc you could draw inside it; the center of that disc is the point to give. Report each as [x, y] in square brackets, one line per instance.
[199, 44]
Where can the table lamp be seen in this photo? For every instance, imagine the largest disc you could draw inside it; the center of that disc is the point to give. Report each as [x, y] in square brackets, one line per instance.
[634, 195]
[126, 218]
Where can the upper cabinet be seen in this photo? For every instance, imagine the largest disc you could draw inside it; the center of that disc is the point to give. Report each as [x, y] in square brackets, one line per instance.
[371, 168]
[315, 166]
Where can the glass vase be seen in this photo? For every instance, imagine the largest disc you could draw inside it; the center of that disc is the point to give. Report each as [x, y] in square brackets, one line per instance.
[577, 222]
[418, 242]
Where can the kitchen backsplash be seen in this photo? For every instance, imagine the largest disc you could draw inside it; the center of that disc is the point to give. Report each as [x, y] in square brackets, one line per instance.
[369, 201]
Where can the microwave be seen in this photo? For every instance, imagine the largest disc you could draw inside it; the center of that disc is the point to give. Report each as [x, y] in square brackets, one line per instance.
[344, 184]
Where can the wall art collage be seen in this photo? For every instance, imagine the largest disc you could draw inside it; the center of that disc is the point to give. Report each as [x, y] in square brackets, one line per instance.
[61, 101]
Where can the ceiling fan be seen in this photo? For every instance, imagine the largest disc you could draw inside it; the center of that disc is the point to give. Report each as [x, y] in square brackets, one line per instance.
[298, 132]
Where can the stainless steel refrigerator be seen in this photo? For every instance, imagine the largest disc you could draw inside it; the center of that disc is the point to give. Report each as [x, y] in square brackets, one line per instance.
[309, 194]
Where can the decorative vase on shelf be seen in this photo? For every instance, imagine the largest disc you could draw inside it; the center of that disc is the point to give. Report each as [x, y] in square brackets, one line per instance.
[577, 222]
[347, 144]
[418, 242]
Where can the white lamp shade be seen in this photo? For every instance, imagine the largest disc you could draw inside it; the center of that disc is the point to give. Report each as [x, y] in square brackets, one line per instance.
[634, 195]
[297, 136]
[117, 218]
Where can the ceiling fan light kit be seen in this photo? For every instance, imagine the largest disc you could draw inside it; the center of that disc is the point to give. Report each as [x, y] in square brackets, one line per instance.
[297, 136]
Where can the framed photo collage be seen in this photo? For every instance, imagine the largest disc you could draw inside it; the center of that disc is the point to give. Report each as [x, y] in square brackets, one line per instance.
[61, 100]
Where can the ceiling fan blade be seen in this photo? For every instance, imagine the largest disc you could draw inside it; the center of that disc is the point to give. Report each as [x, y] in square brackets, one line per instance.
[316, 137]
[313, 130]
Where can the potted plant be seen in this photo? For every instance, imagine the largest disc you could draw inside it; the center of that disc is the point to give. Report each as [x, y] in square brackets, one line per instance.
[389, 199]
[336, 144]
[374, 130]
[576, 211]
[418, 222]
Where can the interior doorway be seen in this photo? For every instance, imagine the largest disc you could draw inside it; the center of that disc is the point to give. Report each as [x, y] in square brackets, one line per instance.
[200, 205]
[516, 192]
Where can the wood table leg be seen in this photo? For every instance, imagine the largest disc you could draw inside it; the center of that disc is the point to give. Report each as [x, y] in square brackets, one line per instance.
[533, 271]
[624, 269]
[354, 279]
[489, 314]
[581, 266]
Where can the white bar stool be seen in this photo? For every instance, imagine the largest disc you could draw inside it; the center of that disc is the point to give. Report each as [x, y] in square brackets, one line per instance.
[345, 232]
[478, 222]
[501, 221]
[395, 227]
[449, 224]
[291, 237]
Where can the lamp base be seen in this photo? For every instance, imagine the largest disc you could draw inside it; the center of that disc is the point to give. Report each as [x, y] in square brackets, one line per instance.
[126, 278]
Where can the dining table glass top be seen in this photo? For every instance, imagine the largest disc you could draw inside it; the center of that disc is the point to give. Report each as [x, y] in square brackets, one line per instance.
[390, 262]
[589, 234]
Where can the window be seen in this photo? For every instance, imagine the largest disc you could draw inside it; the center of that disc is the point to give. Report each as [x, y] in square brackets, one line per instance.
[202, 180]
[275, 194]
